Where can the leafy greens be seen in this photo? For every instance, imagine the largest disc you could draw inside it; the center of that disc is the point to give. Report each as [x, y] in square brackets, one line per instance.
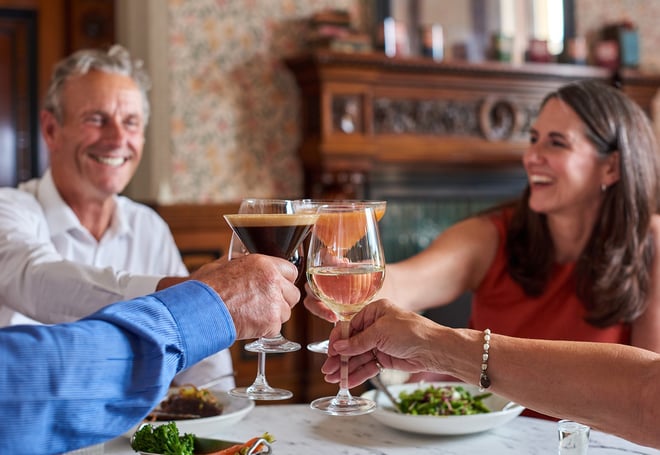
[442, 401]
[163, 439]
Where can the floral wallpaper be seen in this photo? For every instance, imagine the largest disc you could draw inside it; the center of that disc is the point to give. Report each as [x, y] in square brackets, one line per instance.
[234, 121]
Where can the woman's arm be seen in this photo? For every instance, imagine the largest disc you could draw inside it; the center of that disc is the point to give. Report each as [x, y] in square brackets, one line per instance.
[455, 262]
[611, 387]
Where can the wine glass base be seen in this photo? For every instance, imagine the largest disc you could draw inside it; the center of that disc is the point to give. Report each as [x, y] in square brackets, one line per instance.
[354, 407]
[320, 347]
[262, 345]
[268, 393]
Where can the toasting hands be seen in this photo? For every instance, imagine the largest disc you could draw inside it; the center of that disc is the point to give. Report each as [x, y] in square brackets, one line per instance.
[258, 290]
[383, 333]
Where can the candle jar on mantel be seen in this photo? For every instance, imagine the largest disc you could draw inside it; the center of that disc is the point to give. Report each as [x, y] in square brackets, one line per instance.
[626, 36]
[502, 47]
[433, 42]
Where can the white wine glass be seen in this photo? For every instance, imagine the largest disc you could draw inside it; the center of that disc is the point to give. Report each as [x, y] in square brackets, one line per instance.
[345, 269]
[312, 205]
[268, 226]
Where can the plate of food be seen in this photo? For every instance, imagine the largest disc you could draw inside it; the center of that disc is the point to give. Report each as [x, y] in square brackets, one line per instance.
[167, 439]
[443, 408]
[198, 411]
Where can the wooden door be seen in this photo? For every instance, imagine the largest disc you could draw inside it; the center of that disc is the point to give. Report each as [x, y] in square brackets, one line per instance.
[34, 35]
[18, 96]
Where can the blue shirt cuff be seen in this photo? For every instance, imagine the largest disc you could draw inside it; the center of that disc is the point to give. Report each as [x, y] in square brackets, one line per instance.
[204, 321]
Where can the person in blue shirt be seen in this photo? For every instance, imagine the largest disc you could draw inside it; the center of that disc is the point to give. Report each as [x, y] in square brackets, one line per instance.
[73, 385]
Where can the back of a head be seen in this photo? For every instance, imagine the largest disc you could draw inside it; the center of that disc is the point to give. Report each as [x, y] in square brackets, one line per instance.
[115, 60]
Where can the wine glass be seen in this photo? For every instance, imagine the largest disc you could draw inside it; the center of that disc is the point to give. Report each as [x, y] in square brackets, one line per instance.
[312, 205]
[268, 226]
[345, 269]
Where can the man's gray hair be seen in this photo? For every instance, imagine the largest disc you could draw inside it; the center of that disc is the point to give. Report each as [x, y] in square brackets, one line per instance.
[115, 60]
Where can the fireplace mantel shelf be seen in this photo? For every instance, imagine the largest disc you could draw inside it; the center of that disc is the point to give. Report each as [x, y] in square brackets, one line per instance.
[427, 65]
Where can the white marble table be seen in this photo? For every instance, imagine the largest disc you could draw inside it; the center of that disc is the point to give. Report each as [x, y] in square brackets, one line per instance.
[299, 430]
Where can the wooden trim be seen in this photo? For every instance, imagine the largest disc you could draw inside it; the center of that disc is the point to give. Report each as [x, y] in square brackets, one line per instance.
[200, 232]
[376, 60]
[196, 216]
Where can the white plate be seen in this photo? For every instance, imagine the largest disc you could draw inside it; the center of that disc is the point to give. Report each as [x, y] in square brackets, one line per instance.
[234, 409]
[502, 411]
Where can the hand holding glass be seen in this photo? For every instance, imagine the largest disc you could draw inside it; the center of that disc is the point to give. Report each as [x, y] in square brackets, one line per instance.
[345, 269]
[268, 226]
[311, 206]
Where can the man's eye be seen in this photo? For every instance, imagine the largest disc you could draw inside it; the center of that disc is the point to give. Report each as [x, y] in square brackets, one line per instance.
[533, 139]
[94, 119]
[132, 122]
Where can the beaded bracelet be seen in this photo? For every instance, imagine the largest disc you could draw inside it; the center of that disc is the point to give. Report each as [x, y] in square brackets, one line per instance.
[484, 380]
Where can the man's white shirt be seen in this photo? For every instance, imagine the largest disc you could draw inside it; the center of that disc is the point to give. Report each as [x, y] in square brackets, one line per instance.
[54, 270]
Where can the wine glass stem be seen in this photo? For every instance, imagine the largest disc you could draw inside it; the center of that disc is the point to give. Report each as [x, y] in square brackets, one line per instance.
[260, 380]
[343, 371]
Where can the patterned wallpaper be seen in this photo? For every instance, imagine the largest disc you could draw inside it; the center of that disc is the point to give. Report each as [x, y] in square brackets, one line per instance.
[234, 128]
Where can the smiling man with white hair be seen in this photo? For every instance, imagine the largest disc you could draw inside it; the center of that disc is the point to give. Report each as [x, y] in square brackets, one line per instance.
[69, 238]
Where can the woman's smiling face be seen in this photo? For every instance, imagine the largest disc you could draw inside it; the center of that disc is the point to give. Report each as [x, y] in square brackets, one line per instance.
[564, 171]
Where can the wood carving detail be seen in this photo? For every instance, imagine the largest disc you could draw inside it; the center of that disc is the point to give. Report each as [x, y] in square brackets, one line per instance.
[491, 118]
[437, 117]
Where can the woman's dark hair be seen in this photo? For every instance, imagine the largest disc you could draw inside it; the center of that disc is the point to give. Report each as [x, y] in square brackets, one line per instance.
[613, 273]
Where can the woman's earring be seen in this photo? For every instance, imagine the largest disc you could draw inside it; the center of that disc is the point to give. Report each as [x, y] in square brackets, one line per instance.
[603, 187]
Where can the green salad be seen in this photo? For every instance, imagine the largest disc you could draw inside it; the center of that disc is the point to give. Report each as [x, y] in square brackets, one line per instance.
[442, 401]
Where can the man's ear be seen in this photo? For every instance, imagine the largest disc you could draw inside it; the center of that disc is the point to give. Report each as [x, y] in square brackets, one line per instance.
[612, 168]
[49, 126]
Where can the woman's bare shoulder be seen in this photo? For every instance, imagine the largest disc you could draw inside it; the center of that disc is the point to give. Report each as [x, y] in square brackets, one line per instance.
[479, 227]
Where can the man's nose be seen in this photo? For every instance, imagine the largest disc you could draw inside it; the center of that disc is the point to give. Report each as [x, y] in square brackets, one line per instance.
[114, 131]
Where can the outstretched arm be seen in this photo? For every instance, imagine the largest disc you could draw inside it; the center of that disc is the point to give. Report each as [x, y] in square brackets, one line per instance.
[456, 261]
[613, 388]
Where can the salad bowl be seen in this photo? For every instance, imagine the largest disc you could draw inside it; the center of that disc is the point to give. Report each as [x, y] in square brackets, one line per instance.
[501, 411]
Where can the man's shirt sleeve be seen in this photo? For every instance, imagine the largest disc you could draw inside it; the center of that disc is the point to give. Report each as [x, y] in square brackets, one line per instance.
[77, 384]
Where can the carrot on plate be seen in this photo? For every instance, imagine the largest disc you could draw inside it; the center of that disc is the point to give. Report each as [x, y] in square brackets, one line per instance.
[240, 449]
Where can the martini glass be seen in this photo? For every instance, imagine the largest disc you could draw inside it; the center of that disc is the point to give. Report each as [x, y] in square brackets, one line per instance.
[311, 206]
[345, 269]
[268, 226]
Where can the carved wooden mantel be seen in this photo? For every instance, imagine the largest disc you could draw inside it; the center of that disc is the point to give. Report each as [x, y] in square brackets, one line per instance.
[362, 112]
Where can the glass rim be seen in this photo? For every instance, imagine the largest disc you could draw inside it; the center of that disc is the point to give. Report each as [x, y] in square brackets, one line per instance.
[348, 208]
[342, 201]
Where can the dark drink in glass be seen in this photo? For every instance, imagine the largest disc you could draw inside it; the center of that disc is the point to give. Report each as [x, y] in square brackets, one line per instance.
[274, 234]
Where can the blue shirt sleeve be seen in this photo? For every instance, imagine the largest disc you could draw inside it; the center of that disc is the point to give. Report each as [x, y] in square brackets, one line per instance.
[73, 385]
